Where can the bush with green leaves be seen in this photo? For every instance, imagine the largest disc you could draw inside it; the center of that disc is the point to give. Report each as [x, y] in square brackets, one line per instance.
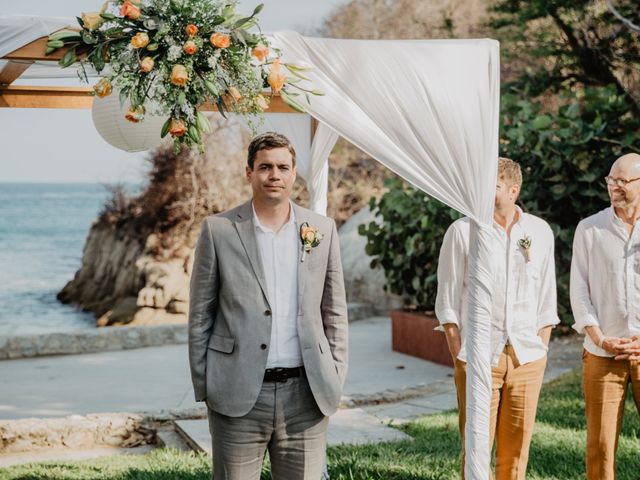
[564, 156]
[407, 240]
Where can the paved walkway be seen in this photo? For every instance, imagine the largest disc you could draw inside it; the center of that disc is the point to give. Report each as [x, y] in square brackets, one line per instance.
[157, 379]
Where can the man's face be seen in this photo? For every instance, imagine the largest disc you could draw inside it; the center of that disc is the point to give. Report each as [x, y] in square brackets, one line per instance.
[506, 193]
[629, 195]
[272, 176]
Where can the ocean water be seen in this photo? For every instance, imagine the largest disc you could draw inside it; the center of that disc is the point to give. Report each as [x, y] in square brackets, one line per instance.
[43, 228]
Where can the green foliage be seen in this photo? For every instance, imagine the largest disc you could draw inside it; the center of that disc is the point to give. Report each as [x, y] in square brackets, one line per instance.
[407, 242]
[564, 156]
[559, 44]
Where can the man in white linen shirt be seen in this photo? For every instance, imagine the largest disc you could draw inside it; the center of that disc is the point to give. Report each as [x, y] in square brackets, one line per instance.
[523, 313]
[605, 298]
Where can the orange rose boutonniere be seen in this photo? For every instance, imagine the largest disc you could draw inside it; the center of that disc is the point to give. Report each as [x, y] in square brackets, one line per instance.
[310, 237]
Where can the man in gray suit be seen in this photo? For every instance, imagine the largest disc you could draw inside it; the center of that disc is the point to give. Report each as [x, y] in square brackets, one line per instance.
[268, 325]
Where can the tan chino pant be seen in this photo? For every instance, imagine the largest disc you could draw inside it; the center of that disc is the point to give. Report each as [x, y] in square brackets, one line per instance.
[604, 384]
[514, 400]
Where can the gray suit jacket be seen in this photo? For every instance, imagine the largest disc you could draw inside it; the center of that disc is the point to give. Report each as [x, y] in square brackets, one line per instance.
[230, 315]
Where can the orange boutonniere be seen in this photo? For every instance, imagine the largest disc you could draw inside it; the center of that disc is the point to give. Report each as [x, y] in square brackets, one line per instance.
[310, 237]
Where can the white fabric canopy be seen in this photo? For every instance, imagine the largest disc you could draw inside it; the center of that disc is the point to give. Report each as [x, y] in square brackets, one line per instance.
[428, 110]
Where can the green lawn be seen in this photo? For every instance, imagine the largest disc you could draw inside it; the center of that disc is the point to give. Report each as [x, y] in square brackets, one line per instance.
[557, 451]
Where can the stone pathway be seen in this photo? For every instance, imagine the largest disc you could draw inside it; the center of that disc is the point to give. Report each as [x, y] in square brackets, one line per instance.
[383, 387]
[379, 411]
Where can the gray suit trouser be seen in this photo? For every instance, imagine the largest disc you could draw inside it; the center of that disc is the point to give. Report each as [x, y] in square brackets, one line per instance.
[286, 421]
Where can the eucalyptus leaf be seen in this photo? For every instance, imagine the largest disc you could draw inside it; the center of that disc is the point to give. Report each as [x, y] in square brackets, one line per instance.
[68, 59]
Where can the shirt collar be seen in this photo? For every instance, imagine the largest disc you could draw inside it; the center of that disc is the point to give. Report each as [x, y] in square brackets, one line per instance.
[259, 225]
[519, 224]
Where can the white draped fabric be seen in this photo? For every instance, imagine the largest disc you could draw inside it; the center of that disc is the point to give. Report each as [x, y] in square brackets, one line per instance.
[428, 110]
[19, 30]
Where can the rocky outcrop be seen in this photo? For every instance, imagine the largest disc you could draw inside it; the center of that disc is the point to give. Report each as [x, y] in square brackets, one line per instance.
[75, 432]
[122, 284]
[108, 272]
[137, 258]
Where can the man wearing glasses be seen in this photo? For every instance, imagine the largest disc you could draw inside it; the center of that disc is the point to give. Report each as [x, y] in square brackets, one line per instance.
[605, 298]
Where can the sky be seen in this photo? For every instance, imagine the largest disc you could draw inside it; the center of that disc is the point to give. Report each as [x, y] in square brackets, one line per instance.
[56, 145]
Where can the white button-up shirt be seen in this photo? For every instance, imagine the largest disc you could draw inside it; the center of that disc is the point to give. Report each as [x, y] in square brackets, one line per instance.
[279, 252]
[524, 293]
[605, 278]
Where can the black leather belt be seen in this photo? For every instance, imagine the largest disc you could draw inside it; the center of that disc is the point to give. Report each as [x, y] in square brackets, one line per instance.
[282, 374]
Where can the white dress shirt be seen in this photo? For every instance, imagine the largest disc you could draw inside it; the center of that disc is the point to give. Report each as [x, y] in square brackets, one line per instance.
[605, 278]
[524, 293]
[280, 253]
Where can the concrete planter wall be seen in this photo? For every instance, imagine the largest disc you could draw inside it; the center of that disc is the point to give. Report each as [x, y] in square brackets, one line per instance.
[413, 333]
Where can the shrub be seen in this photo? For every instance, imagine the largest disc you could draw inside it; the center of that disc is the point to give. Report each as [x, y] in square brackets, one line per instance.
[407, 241]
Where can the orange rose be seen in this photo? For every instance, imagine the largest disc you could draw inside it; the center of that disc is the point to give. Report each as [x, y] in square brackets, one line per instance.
[102, 88]
[92, 21]
[191, 30]
[135, 114]
[262, 102]
[177, 127]
[129, 10]
[179, 75]
[146, 65]
[276, 78]
[308, 234]
[190, 47]
[260, 52]
[140, 40]
[220, 40]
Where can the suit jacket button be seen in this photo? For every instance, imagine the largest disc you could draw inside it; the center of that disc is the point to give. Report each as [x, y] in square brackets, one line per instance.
[263, 346]
[267, 313]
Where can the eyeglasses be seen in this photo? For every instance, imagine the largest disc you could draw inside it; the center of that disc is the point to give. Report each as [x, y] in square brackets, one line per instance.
[619, 182]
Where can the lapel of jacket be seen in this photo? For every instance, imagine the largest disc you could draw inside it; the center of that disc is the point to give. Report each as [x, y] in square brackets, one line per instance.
[303, 267]
[246, 231]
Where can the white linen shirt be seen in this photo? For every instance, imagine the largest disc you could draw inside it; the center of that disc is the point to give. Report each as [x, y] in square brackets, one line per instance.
[280, 253]
[605, 278]
[524, 296]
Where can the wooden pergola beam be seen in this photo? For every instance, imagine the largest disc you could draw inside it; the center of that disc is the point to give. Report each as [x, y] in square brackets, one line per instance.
[12, 70]
[35, 51]
[45, 97]
[15, 96]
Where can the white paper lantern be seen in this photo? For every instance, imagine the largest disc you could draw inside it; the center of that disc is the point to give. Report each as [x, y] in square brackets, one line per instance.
[108, 118]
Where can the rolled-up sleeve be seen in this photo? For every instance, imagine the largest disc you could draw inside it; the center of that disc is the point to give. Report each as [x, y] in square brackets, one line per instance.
[584, 312]
[548, 298]
[451, 270]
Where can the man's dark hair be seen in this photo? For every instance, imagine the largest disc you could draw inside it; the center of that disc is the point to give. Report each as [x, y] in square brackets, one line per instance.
[269, 141]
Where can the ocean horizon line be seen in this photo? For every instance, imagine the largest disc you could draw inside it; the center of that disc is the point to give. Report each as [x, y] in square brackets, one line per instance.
[70, 182]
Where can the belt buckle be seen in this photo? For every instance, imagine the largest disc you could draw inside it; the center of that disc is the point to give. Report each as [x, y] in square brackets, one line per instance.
[279, 375]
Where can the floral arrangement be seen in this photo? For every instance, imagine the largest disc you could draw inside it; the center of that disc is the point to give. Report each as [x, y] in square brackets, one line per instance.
[168, 57]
